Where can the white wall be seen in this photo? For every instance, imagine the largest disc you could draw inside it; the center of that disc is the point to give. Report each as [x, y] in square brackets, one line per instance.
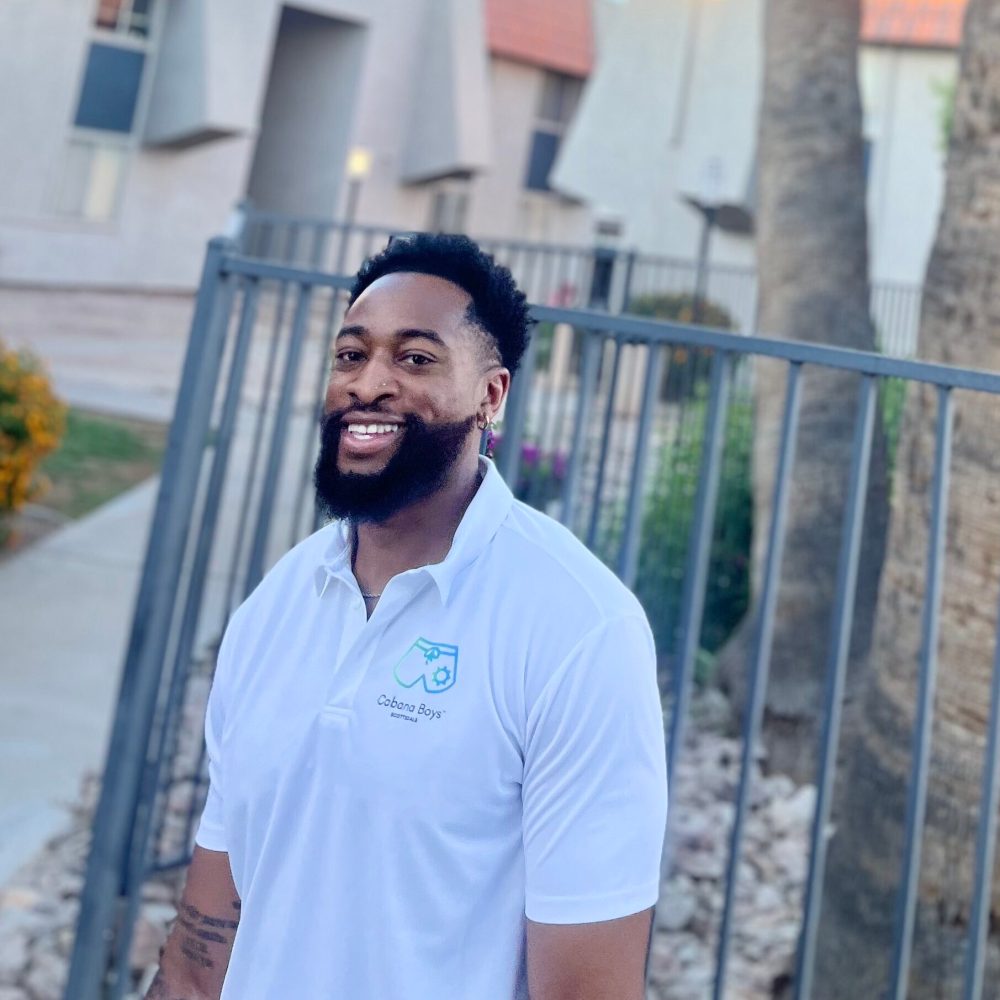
[675, 87]
[637, 146]
[903, 103]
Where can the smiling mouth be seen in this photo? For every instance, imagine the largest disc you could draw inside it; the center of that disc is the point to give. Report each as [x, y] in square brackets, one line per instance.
[367, 432]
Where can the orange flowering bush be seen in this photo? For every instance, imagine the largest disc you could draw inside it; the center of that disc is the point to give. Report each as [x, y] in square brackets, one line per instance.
[32, 421]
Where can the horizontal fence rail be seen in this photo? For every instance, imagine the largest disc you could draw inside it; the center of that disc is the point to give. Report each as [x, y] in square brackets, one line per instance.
[638, 434]
[605, 277]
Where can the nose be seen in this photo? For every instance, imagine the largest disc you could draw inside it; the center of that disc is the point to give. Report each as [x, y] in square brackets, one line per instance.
[372, 384]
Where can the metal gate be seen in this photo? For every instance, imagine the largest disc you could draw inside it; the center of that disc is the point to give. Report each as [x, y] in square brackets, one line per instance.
[627, 430]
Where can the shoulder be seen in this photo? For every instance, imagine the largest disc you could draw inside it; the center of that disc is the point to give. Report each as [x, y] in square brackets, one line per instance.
[551, 602]
[550, 565]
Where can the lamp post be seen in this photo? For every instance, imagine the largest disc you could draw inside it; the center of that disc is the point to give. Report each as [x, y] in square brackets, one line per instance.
[710, 203]
[359, 165]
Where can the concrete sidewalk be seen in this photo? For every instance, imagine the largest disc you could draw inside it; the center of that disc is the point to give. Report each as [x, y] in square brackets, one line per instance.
[66, 601]
[65, 608]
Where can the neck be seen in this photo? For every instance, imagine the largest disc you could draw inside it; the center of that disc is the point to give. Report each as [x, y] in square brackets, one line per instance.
[417, 536]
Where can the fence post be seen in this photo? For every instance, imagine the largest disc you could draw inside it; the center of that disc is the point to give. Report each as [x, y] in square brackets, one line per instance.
[515, 417]
[111, 845]
[630, 261]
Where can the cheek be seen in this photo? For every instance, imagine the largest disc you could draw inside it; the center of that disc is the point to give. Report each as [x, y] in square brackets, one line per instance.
[334, 398]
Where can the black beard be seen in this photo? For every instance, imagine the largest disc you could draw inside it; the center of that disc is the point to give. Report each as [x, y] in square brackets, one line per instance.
[419, 467]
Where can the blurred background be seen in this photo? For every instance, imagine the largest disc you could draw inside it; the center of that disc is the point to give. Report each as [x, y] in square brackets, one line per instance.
[689, 191]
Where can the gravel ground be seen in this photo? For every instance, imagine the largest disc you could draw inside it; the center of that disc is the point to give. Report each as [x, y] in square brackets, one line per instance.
[38, 907]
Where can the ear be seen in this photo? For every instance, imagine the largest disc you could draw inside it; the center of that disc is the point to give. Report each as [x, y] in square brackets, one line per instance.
[494, 392]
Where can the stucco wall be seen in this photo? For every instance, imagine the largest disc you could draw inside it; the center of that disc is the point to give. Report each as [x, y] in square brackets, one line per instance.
[500, 205]
[178, 191]
[903, 99]
[669, 95]
[638, 145]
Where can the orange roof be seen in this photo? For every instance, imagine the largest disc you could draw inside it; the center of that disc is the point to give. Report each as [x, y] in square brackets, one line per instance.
[924, 23]
[554, 34]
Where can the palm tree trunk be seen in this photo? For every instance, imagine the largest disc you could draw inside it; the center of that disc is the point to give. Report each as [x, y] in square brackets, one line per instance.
[812, 255]
[960, 324]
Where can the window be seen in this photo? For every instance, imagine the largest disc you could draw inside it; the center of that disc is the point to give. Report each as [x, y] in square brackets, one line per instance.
[110, 88]
[90, 181]
[124, 17]
[449, 207]
[92, 171]
[559, 98]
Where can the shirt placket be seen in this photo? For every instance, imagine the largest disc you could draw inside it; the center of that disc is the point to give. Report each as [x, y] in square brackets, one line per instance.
[358, 647]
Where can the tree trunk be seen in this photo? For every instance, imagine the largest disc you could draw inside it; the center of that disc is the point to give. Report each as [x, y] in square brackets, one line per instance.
[812, 258]
[960, 324]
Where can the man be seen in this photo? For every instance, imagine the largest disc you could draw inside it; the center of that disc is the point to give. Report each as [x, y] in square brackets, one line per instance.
[435, 739]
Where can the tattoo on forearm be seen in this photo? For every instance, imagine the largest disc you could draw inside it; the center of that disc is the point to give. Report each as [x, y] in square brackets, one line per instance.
[197, 934]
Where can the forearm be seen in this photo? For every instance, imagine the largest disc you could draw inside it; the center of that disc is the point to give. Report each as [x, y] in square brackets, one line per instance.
[194, 960]
[594, 961]
[167, 986]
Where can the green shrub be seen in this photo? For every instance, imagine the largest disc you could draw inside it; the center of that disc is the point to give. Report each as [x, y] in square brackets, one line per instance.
[680, 307]
[669, 518]
[688, 366]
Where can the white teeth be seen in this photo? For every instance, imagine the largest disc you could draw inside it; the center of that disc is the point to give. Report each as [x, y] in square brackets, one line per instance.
[367, 430]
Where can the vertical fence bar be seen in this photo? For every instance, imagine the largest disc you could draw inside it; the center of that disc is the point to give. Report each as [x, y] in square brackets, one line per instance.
[602, 461]
[309, 446]
[144, 820]
[979, 924]
[630, 260]
[256, 444]
[761, 662]
[282, 419]
[515, 415]
[628, 563]
[843, 620]
[592, 345]
[100, 900]
[696, 573]
[917, 802]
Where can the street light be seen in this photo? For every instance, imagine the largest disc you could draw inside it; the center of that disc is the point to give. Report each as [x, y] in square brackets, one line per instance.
[359, 166]
[716, 211]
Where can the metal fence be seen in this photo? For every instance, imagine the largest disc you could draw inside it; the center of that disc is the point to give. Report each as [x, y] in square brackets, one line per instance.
[594, 277]
[629, 443]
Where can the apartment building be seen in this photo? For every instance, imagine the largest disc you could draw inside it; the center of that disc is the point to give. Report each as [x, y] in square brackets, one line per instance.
[130, 128]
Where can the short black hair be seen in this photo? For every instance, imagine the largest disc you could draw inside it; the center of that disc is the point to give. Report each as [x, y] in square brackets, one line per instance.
[499, 308]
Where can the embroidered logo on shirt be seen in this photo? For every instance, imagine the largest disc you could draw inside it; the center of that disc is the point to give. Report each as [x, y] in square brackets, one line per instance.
[433, 663]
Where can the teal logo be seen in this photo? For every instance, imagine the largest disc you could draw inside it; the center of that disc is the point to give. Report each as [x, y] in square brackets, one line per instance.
[435, 664]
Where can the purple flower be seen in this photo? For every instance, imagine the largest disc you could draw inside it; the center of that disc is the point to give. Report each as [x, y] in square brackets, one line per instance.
[530, 454]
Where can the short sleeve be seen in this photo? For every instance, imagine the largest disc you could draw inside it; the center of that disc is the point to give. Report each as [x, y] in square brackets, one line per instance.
[594, 789]
[211, 830]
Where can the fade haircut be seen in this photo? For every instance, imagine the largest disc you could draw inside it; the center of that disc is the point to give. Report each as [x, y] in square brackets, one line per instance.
[499, 308]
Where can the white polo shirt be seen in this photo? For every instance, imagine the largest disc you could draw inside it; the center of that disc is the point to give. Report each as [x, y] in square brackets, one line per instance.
[396, 794]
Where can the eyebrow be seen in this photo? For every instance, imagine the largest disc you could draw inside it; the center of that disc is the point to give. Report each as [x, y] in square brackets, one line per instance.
[407, 333]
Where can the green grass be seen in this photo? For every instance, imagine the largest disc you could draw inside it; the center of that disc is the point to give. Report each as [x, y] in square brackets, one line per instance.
[100, 457]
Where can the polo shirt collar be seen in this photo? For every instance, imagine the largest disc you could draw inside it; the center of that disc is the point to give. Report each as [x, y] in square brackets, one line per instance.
[479, 524]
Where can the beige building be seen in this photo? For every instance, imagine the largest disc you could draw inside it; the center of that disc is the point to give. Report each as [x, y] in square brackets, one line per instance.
[130, 128]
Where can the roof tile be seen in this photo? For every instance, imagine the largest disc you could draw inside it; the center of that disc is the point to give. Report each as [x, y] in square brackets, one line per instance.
[554, 34]
[920, 23]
